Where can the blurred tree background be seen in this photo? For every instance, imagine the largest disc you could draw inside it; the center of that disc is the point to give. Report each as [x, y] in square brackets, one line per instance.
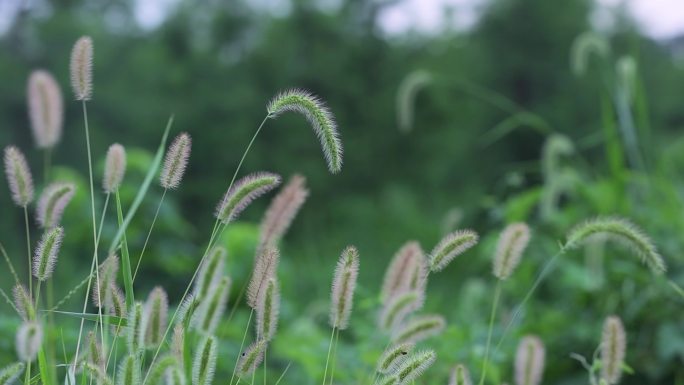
[473, 158]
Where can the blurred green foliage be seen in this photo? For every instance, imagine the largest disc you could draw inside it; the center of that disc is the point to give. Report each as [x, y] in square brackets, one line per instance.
[498, 93]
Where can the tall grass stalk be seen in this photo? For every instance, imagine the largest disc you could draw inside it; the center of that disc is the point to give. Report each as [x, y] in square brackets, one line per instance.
[492, 316]
[149, 233]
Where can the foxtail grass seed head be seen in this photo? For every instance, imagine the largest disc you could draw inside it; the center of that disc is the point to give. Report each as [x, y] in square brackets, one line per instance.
[81, 68]
[106, 277]
[251, 358]
[264, 269]
[583, 47]
[419, 329]
[129, 371]
[28, 341]
[23, 301]
[115, 168]
[397, 308]
[204, 362]
[510, 248]
[45, 108]
[178, 342]
[116, 306]
[415, 365]
[267, 311]
[46, 253]
[186, 310]
[52, 203]
[320, 118]
[419, 275]
[96, 373]
[390, 379]
[613, 346]
[9, 374]
[18, 176]
[460, 376]
[134, 328]
[529, 361]
[450, 247]
[343, 285]
[282, 211]
[155, 316]
[393, 357]
[175, 162]
[210, 312]
[406, 97]
[211, 271]
[399, 272]
[624, 233]
[243, 192]
[174, 376]
[94, 353]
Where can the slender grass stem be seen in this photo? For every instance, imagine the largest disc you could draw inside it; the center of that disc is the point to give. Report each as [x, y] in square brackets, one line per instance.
[283, 374]
[334, 356]
[327, 360]
[242, 345]
[47, 157]
[28, 251]
[495, 304]
[149, 233]
[9, 264]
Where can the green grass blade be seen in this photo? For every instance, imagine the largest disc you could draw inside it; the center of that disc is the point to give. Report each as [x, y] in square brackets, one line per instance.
[106, 319]
[125, 257]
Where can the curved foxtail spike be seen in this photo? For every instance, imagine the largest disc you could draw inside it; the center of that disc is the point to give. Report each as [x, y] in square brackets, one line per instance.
[94, 353]
[95, 372]
[420, 328]
[157, 370]
[46, 109]
[509, 250]
[344, 283]
[529, 361]
[23, 301]
[129, 371]
[174, 376]
[18, 176]
[460, 376]
[211, 271]
[243, 192]
[52, 203]
[210, 312]
[399, 307]
[450, 247]
[102, 290]
[399, 272]
[81, 68]
[393, 357]
[29, 340]
[414, 366]
[46, 253]
[115, 168]
[622, 232]
[613, 346]
[320, 118]
[155, 316]
[267, 311]
[264, 269]
[584, 45]
[134, 328]
[204, 362]
[176, 161]
[251, 358]
[406, 97]
[282, 211]
[9, 374]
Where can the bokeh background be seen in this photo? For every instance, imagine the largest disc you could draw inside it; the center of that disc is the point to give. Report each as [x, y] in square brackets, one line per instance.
[483, 150]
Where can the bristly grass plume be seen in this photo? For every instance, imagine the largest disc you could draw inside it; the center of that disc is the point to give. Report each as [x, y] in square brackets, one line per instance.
[267, 311]
[282, 211]
[115, 168]
[175, 162]
[243, 192]
[419, 328]
[28, 341]
[204, 362]
[18, 176]
[509, 250]
[46, 109]
[155, 314]
[45, 257]
[623, 233]
[52, 203]
[450, 247]
[318, 115]
[251, 358]
[529, 361]
[406, 97]
[399, 272]
[9, 374]
[398, 307]
[393, 357]
[264, 269]
[81, 68]
[344, 283]
[613, 347]
[23, 301]
[460, 376]
[415, 365]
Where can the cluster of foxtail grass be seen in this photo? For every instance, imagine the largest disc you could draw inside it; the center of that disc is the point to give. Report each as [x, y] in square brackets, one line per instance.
[128, 341]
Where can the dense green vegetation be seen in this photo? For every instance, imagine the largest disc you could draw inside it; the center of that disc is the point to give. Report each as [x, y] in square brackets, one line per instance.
[503, 131]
